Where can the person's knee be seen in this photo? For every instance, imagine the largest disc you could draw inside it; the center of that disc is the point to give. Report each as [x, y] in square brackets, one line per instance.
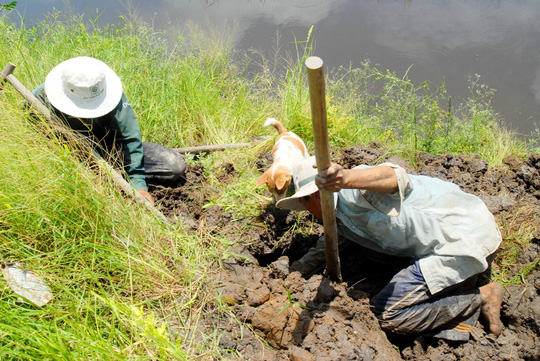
[181, 167]
[163, 164]
[388, 320]
[381, 303]
[394, 321]
[391, 318]
[177, 165]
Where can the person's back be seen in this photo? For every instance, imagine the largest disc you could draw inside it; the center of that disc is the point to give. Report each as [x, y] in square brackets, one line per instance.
[450, 231]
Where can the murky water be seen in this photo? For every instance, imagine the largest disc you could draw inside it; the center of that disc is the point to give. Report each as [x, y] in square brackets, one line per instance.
[439, 40]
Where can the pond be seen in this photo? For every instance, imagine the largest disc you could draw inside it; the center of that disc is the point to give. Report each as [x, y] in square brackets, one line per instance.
[438, 41]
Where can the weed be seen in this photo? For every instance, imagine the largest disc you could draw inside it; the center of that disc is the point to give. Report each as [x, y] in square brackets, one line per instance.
[292, 302]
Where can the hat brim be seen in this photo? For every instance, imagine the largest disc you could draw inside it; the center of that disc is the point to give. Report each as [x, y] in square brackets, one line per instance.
[292, 203]
[92, 108]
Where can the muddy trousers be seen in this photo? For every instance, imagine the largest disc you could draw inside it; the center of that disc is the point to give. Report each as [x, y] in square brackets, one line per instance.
[406, 306]
[162, 165]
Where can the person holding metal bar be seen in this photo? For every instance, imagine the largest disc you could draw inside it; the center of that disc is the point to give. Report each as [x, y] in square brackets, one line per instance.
[442, 238]
[87, 94]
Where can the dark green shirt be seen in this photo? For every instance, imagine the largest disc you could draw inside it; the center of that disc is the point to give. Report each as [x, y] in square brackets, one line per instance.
[118, 129]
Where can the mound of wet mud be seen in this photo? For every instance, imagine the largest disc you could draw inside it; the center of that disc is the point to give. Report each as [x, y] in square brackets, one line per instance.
[279, 315]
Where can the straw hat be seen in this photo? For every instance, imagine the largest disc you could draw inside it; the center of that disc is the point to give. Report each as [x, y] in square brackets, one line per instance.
[304, 184]
[83, 87]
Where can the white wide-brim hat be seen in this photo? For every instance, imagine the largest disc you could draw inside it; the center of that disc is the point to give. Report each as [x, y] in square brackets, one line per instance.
[83, 87]
[304, 184]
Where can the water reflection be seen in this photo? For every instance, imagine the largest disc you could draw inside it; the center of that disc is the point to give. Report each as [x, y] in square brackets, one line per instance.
[439, 40]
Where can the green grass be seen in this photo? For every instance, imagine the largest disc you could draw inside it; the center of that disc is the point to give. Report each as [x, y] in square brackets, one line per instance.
[127, 286]
[367, 104]
[107, 261]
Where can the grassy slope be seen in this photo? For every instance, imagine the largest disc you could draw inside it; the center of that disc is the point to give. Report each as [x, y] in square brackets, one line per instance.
[121, 279]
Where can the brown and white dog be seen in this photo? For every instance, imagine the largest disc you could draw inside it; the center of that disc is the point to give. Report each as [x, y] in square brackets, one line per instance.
[288, 150]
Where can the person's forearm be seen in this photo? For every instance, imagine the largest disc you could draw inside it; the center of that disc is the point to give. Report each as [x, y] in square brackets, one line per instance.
[381, 179]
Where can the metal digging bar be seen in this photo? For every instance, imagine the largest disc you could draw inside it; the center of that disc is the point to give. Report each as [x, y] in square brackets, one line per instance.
[7, 76]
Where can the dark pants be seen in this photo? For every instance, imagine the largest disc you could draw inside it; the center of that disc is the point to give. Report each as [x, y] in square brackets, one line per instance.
[163, 166]
[406, 306]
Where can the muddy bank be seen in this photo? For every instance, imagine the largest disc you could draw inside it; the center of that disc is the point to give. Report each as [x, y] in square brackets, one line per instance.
[287, 317]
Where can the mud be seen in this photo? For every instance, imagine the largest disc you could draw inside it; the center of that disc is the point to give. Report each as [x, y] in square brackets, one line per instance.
[282, 316]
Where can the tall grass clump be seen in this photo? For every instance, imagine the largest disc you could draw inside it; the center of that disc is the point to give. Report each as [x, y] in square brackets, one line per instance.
[518, 227]
[114, 270]
[367, 104]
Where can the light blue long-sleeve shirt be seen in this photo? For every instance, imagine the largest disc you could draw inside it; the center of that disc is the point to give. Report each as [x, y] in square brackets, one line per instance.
[450, 231]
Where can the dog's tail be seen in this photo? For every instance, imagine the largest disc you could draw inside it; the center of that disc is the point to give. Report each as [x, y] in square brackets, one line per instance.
[276, 124]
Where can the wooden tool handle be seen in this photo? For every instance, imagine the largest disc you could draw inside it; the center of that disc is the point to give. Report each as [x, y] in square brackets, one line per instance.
[315, 73]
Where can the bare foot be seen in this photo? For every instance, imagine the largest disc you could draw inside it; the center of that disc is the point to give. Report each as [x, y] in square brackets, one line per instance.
[492, 297]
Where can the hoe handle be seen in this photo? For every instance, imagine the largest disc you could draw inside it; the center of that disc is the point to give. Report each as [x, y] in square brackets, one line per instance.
[7, 76]
[315, 73]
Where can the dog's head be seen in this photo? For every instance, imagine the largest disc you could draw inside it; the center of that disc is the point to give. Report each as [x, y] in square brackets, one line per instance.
[277, 179]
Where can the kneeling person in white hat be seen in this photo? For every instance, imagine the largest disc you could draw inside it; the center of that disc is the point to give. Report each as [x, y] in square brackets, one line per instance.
[88, 95]
[446, 236]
